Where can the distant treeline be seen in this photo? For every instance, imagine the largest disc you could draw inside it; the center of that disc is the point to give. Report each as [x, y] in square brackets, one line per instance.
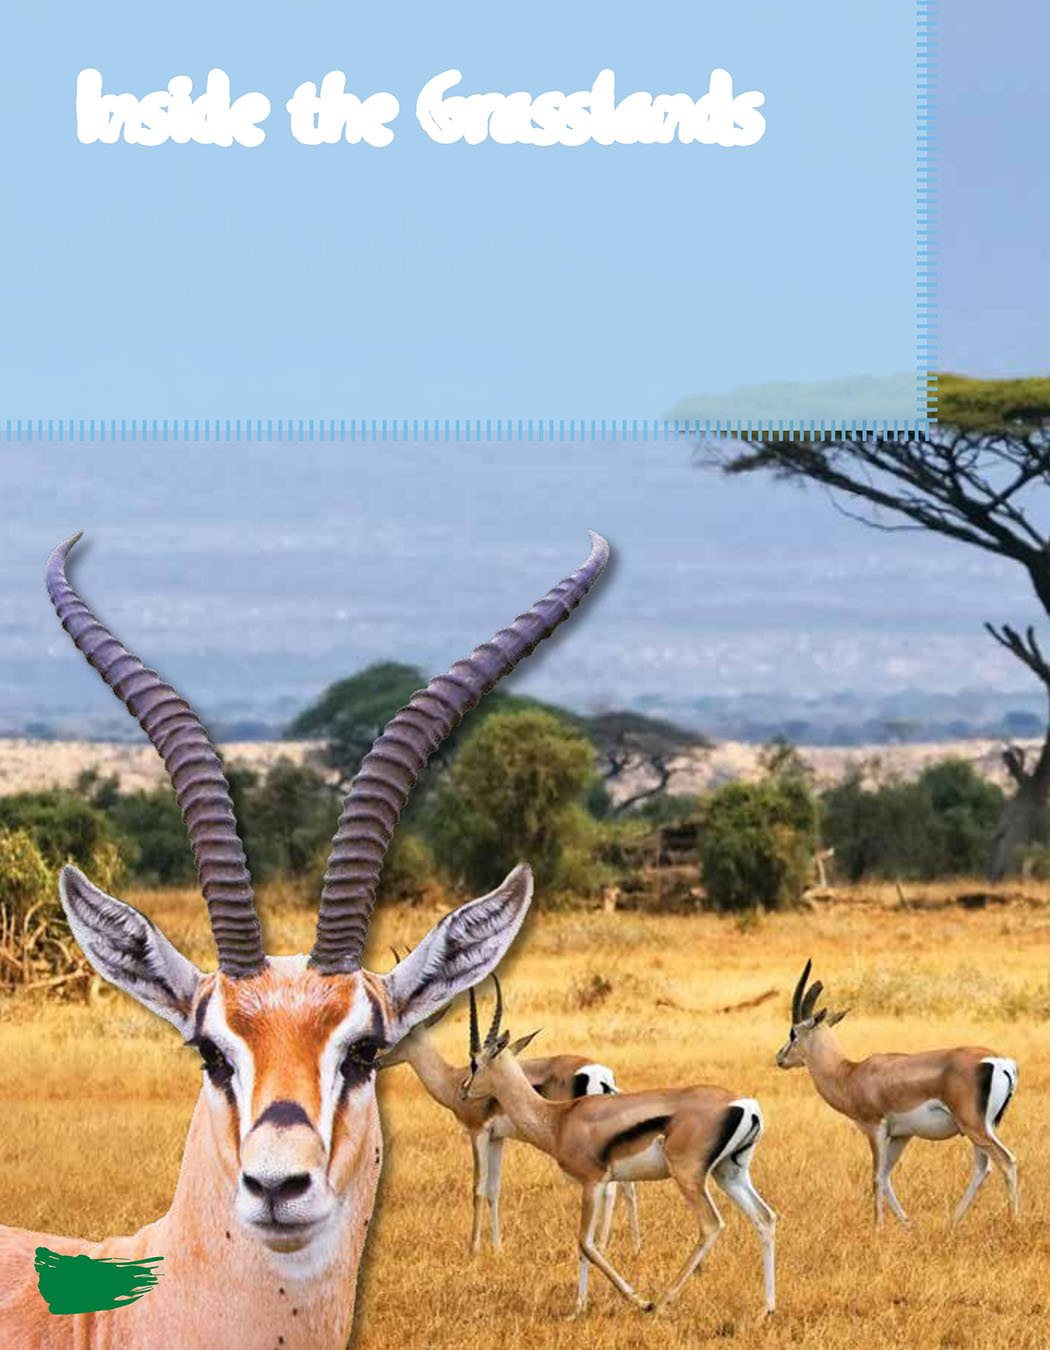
[524, 780]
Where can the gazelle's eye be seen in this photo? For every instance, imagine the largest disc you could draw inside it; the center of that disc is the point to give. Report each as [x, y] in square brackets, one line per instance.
[794, 1034]
[359, 1062]
[216, 1065]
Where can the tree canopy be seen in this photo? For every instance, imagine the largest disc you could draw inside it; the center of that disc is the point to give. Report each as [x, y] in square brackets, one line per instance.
[979, 476]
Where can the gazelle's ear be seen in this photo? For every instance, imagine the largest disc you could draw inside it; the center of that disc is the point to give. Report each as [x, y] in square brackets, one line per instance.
[128, 950]
[522, 1042]
[836, 1017]
[457, 953]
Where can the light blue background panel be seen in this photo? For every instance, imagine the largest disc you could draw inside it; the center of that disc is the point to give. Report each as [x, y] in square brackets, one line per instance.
[454, 281]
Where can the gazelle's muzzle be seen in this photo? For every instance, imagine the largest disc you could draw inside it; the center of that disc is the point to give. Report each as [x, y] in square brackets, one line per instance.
[283, 1195]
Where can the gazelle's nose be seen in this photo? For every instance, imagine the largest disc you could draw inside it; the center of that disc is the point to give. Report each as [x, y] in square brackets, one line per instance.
[276, 1189]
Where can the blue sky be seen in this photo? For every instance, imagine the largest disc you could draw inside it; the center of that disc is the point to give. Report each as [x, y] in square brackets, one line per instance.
[431, 281]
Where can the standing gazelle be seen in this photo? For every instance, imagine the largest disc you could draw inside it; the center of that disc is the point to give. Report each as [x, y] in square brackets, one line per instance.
[935, 1094]
[557, 1078]
[689, 1134]
[262, 1242]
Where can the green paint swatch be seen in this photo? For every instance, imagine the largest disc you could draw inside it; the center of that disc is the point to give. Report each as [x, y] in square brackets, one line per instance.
[79, 1284]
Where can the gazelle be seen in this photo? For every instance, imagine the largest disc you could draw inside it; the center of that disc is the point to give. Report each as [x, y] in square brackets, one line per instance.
[935, 1094]
[689, 1134]
[557, 1078]
[262, 1242]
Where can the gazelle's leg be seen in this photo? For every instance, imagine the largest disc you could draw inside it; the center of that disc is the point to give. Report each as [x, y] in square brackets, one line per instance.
[981, 1164]
[892, 1151]
[585, 1265]
[737, 1184]
[593, 1192]
[611, 1191]
[1004, 1161]
[492, 1186]
[630, 1199]
[480, 1145]
[873, 1134]
[711, 1224]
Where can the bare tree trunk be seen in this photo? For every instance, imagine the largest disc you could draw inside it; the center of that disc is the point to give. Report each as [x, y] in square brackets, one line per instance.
[1024, 817]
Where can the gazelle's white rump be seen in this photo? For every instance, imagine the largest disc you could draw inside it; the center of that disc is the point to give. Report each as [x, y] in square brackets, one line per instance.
[1000, 1090]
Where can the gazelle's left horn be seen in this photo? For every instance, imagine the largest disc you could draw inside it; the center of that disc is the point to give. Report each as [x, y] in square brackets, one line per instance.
[192, 763]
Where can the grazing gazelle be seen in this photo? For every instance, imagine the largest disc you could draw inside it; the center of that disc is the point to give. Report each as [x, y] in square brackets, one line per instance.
[689, 1134]
[262, 1242]
[935, 1094]
[557, 1078]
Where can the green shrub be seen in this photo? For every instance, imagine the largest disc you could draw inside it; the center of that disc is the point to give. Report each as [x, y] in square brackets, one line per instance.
[149, 826]
[26, 878]
[408, 869]
[63, 824]
[287, 818]
[37, 950]
[510, 797]
[757, 843]
[940, 825]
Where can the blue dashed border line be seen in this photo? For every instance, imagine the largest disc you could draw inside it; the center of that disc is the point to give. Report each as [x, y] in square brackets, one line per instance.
[452, 430]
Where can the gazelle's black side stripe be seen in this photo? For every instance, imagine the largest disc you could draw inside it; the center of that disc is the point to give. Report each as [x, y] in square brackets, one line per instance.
[730, 1124]
[654, 1125]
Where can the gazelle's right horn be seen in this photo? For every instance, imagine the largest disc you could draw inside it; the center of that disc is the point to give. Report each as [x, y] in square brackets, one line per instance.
[800, 989]
[497, 1016]
[391, 768]
[475, 1035]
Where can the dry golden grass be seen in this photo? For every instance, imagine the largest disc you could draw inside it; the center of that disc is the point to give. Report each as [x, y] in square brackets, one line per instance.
[68, 1075]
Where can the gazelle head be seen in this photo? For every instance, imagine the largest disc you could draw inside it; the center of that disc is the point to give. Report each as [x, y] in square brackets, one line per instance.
[288, 1044]
[804, 1021]
[487, 1057]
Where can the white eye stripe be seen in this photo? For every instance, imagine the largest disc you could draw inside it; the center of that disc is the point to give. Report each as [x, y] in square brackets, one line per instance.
[215, 1027]
[358, 1024]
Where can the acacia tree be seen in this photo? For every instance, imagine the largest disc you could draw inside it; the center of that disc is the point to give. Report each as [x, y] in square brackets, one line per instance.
[980, 477]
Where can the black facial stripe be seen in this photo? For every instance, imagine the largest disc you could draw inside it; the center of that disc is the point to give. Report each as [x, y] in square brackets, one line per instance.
[358, 1064]
[378, 1033]
[283, 1114]
[198, 1016]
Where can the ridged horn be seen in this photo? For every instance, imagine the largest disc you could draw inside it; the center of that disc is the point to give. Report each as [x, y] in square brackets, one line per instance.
[809, 1002]
[475, 1035]
[800, 989]
[192, 763]
[497, 1016]
[391, 768]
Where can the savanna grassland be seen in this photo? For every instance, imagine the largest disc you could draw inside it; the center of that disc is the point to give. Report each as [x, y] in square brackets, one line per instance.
[95, 1101]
